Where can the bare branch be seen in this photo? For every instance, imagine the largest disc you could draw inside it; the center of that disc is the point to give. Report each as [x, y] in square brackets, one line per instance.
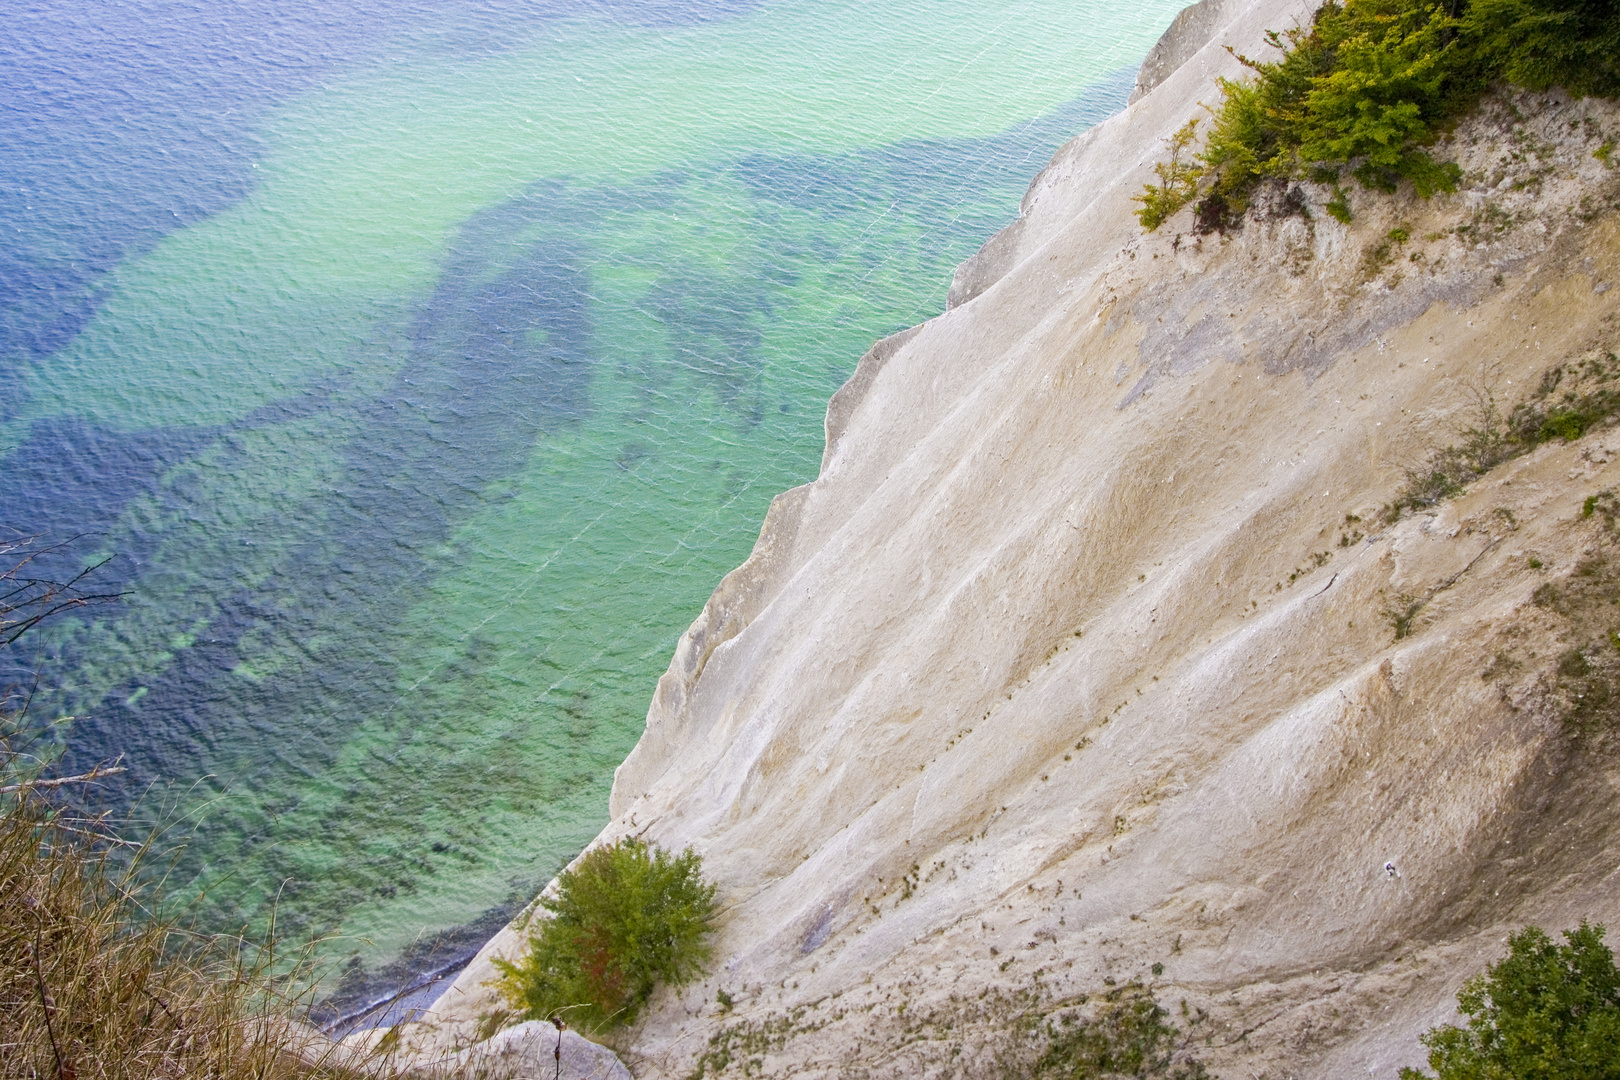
[26, 601]
[83, 778]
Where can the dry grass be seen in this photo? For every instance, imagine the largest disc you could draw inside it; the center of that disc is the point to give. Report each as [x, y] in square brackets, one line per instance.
[93, 985]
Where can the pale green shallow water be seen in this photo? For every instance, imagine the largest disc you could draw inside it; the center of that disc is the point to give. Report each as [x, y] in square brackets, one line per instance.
[445, 431]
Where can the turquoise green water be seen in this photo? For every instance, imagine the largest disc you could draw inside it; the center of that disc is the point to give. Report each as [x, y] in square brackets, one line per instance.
[439, 437]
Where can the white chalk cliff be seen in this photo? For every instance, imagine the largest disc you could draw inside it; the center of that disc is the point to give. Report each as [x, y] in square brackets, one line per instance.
[1078, 661]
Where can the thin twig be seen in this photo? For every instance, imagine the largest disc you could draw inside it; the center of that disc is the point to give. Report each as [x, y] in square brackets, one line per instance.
[102, 838]
[177, 1024]
[42, 597]
[83, 778]
[45, 1000]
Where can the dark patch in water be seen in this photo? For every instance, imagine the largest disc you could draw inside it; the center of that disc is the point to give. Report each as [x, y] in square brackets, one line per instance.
[70, 478]
[714, 325]
[497, 357]
[122, 123]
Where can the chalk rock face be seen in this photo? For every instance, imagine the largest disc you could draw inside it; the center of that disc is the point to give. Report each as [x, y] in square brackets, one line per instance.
[1185, 38]
[1091, 658]
[532, 1050]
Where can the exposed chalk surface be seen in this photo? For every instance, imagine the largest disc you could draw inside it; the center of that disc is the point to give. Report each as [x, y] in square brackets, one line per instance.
[1181, 41]
[529, 1051]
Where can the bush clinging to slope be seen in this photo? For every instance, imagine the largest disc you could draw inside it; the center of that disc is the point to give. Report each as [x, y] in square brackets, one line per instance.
[1543, 43]
[626, 919]
[1371, 84]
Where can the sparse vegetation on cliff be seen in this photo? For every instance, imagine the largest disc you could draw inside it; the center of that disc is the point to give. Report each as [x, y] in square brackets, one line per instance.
[1125, 1033]
[1571, 399]
[1584, 685]
[1002, 1034]
[1369, 86]
[626, 919]
[1546, 1010]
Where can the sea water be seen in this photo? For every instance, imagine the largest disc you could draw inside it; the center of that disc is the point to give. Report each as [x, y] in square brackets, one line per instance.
[422, 367]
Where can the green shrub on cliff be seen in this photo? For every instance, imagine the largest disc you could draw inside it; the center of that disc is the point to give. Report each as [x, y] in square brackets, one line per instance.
[1542, 43]
[1547, 1011]
[1370, 84]
[1178, 180]
[626, 919]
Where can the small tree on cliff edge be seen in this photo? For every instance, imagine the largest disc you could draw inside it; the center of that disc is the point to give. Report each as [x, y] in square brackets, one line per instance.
[1546, 1012]
[626, 919]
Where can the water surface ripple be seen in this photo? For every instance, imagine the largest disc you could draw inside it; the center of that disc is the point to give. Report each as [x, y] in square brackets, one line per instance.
[423, 366]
